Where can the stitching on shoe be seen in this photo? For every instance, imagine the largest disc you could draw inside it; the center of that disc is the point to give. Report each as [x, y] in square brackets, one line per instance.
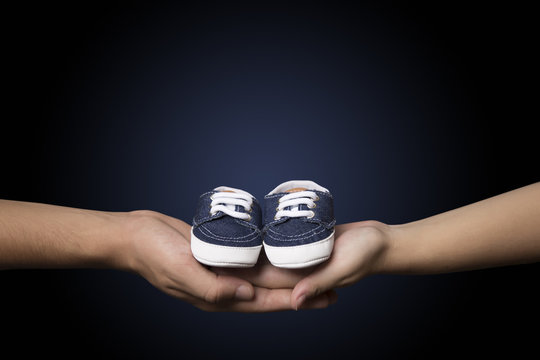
[302, 238]
[296, 235]
[219, 237]
[211, 235]
[239, 248]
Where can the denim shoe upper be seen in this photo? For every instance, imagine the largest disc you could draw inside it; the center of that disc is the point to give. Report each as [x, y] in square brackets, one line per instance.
[288, 229]
[223, 227]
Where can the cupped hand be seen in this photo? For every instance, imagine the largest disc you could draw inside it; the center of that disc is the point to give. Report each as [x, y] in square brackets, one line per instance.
[159, 250]
[358, 249]
[264, 275]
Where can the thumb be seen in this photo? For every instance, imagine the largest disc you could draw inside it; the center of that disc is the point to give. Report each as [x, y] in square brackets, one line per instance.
[218, 288]
[318, 282]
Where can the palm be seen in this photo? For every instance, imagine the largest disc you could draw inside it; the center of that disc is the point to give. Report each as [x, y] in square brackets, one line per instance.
[266, 275]
[164, 254]
[357, 248]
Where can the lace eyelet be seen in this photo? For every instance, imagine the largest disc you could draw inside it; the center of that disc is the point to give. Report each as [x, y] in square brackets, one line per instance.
[317, 198]
[276, 218]
[249, 218]
[312, 215]
[277, 209]
[312, 207]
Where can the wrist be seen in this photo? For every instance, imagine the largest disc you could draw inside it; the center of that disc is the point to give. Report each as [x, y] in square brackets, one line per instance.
[378, 242]
[392, 258]
[106, 240]
[405, 251]
[127, 251]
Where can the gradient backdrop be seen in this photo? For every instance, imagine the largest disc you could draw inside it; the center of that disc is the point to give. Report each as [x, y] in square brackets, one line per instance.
[401, 110]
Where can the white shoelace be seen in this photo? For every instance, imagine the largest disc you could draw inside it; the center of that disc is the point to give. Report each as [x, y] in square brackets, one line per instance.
[293, 202]
[227, 201]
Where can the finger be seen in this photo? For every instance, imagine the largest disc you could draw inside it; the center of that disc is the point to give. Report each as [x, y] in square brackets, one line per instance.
[225, 289]
[325, 278]
[181, 295]
[205, 284]
[320, 301]
[271, 300]
[214, 288]
[264, 300]
[266, 275]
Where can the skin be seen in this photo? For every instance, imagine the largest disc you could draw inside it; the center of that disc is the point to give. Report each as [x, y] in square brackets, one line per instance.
[502, 230]
[148, 243]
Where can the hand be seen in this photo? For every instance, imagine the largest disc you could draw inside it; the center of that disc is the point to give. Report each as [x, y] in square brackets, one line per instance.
[160, 252]
[358, 249]
[264, 275]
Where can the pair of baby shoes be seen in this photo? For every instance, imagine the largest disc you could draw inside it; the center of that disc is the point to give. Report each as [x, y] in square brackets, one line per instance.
[297, 227]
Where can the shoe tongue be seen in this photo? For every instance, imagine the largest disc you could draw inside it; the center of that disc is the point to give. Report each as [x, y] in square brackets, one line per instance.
[293, 190]
[297, 189]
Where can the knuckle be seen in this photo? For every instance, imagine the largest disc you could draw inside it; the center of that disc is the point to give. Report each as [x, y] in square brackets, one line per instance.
[315, 290]
[212, 295]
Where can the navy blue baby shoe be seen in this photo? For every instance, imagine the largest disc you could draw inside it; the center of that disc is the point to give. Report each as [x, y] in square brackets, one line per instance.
[298, 224]
[226, 228]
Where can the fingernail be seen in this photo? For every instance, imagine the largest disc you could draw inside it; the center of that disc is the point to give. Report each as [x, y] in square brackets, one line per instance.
[243, 292]
[300, 301]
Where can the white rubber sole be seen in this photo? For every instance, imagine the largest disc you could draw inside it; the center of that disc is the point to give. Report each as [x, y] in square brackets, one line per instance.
[223, 256]
[301, 256]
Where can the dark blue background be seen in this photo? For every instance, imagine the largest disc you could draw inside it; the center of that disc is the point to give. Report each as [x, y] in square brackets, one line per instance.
[402, 111]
